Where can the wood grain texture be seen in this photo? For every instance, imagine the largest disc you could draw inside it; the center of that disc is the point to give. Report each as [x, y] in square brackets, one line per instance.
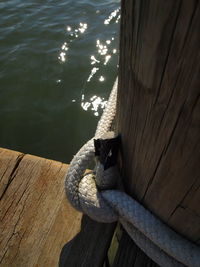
[158, 112]
[37, 220]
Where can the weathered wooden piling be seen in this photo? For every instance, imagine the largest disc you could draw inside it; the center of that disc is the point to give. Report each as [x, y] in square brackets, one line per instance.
[158, 109]
[158, 117]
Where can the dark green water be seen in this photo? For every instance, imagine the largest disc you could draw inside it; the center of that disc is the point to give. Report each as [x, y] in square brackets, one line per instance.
[58, 62]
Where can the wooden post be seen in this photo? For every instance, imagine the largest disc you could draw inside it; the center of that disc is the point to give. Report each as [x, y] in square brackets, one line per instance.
[158, 112]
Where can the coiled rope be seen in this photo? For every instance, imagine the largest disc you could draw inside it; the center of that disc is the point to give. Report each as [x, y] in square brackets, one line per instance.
[92, 195]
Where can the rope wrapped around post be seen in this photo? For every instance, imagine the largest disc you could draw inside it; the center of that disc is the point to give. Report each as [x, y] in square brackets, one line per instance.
[95, 195]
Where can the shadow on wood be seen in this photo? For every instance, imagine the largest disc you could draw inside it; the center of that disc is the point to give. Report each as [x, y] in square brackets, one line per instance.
[129, 255]
[89, 247]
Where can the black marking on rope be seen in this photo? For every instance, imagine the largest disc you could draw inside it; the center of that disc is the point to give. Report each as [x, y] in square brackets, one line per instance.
[107, 151]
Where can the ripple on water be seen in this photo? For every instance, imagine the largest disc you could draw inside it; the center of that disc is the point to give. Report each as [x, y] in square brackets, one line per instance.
[58, 64]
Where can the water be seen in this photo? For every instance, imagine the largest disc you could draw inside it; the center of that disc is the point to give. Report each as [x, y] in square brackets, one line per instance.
[58, 62]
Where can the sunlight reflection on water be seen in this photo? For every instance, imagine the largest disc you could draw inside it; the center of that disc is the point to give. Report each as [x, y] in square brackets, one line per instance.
[58, 65]
[104, 53]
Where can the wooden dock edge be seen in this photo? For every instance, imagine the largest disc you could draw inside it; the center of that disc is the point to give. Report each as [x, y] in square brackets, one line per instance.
[37, 220]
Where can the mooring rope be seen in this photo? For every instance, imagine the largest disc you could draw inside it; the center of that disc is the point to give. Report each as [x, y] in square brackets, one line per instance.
[92, 194]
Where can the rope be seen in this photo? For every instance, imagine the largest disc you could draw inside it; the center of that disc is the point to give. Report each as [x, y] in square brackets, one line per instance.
[91, 194]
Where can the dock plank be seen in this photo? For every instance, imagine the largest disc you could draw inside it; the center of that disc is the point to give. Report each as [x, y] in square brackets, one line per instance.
[37, 220]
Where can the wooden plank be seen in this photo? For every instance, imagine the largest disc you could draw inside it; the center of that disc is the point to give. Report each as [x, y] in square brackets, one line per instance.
[129, 255]
[29, 208]
[66, 227]
[158, 108]
[37, 220]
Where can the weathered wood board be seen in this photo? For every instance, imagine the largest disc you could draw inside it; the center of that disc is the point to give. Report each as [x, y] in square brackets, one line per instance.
[37, 220]
[158, 111]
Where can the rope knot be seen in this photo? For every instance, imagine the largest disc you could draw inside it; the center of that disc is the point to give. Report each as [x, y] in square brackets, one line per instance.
[104, 177]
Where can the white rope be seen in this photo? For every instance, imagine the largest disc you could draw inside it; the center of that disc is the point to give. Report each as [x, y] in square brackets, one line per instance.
[156, 239]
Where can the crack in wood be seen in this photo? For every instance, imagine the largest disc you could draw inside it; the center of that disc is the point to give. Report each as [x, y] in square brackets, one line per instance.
[14, 229]
[6, 169]
[174, 127]
[167, 105]
[12, 175]
[153, 176]
[168, 52]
